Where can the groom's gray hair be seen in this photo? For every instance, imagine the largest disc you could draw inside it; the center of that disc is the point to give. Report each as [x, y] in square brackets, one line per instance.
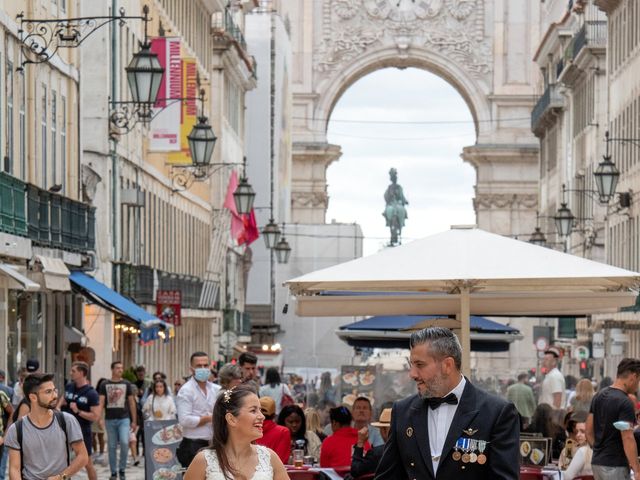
[442, 341]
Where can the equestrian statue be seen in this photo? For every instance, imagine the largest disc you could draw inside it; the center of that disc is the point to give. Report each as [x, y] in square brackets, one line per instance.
[395, 213]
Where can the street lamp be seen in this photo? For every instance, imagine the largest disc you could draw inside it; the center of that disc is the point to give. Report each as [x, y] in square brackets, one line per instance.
[202, 141]
[144, 74]
[538, 238]
[283, 250]
[607, 174]
[564, 219]
[244, 194]
[271, 234]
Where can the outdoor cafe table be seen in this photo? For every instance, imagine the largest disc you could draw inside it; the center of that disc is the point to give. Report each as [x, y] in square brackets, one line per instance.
[312, 473]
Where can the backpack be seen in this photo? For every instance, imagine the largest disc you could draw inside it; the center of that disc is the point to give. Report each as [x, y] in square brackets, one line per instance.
[59, 416]
[14, 417]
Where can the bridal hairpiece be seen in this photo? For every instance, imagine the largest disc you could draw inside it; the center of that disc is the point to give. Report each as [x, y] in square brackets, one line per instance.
[226, 396]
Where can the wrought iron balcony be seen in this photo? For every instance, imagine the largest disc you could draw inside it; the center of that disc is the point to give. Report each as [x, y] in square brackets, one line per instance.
[592, 34]
[226, 34]
[48, 219]
[189, 286]
[238, 322]
[546, 109]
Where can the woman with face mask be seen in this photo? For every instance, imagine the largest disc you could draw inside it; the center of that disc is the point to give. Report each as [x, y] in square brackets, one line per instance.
[195, 402]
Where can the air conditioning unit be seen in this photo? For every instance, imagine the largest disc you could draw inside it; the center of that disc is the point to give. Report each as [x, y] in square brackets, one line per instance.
[132, 197]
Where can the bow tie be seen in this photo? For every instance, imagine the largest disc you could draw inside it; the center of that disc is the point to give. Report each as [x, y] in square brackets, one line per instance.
[435, 402]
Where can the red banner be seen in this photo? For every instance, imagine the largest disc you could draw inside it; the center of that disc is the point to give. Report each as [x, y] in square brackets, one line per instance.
[168, 304]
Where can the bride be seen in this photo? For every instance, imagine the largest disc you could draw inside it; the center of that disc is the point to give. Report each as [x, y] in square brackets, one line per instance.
[237, 421]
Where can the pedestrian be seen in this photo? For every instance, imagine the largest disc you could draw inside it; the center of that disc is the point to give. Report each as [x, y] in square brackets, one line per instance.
[552, 390]
[581, 401]
[521, 395]
[614, 450]
[336, 449]
[274, 388]
[3, 385]
[366, 463]
[237, 423]
[229, 376]
[82, 401]
[195, 402]
[312, 417]
[249, 365]
[292, 417]
[97, 432]
[40, 444]
[543, 424]
[327, 391]
[448, 416]
[133, 433]
[119, 405]
[143, 384]
[362, 412]
[177, 385]
[581, 462]
[274, 436]
[6, 411]
[160, 404]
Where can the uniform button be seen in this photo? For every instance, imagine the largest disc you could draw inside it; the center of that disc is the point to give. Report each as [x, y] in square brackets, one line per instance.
[413, 464]
[463, 467]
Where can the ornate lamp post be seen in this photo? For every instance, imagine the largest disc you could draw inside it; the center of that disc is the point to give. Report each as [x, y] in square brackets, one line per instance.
[282, 249]
[244, 194]
[271, 234]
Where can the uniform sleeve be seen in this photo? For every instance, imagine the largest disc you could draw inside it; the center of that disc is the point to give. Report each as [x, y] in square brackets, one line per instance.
[74, 432]
[503, 455]
[362, 464]
[11, 438]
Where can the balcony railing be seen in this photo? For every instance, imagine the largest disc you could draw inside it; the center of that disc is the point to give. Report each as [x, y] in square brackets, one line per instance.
[592, 33]
[190, 287]
[550, 101]
[238, 322]
[13, 215]
[48, 219]
[223, 23]
[135, 282]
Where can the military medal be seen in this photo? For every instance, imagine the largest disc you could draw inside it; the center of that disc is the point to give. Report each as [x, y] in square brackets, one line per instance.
[482, 458]
[473, 457]
[465, 456]
[456, 454]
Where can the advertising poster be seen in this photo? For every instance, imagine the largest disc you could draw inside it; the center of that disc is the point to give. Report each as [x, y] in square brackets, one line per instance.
[188, 111]
[168, 305]
[161, 439]
[165, 127]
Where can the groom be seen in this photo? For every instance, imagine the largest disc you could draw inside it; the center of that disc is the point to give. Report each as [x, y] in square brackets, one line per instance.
[450, 429]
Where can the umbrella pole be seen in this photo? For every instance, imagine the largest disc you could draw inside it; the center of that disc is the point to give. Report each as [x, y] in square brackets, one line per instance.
[465, 333]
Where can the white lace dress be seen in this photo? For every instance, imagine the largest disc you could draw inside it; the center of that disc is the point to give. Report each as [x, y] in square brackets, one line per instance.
[264, 470]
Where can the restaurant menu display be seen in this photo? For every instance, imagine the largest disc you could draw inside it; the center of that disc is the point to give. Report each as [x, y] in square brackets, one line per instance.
[161, 439]
[358, 382]
[535, 451]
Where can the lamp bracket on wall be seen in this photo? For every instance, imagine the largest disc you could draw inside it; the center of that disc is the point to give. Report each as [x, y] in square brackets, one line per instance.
[183, 176]
[41, 38]
[125, 115]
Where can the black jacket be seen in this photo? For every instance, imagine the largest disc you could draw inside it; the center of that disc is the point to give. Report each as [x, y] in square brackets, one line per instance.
[362, 463]
[484, 417]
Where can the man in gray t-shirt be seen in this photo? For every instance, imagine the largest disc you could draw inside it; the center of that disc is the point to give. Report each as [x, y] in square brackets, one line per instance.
[43, 453]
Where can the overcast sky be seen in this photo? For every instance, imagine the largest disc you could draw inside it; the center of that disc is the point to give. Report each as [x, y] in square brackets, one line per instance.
[416, 122]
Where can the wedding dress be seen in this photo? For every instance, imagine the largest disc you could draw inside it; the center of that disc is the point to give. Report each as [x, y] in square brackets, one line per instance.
[264, 470]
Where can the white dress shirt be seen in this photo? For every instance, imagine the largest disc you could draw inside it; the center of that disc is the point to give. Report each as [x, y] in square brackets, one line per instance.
[439, 421]
[193, 404]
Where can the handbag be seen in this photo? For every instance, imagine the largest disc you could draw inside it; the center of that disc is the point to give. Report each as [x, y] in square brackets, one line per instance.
[286, 399]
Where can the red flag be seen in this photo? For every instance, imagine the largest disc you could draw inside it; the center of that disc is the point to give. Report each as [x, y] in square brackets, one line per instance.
[244, 228]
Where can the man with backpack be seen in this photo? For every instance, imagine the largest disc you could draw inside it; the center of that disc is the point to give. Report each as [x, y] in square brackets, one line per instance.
[40, 442]
[81, 400]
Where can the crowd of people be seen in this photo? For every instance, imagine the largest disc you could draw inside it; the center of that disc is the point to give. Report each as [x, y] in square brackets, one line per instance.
[237, 423]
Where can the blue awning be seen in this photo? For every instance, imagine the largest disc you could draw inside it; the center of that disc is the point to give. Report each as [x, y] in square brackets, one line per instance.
[99, 293]
[394, 332]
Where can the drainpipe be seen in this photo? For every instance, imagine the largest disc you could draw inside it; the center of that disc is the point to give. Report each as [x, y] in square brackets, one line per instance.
[114, 144]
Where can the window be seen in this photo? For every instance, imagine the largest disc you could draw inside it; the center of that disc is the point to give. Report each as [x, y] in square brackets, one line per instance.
[54, 134]
[63, 140]
[43, 139]
[9, 87]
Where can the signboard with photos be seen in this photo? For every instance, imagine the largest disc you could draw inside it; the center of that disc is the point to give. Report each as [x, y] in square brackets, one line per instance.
[161, 439]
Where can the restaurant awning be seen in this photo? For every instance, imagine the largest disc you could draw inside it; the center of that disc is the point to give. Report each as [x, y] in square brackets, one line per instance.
[16, 280]
[394, 332]
[97, 292]
[54, 274]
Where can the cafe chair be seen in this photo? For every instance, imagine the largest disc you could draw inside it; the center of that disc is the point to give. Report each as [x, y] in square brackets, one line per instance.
[368, 476]
[531, 473]
[584, 477]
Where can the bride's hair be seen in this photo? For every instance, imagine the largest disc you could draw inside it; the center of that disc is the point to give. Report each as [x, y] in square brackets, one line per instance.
[229, 401]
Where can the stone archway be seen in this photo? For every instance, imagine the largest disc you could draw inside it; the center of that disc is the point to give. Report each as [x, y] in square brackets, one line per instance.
[481, 47]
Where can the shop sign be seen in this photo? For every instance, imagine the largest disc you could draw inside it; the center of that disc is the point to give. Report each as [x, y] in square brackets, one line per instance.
[168, 304]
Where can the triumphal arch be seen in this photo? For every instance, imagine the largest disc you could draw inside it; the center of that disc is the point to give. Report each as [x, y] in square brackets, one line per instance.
[484, 48]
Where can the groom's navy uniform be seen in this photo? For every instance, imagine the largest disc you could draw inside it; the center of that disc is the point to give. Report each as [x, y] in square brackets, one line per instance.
[481, 443]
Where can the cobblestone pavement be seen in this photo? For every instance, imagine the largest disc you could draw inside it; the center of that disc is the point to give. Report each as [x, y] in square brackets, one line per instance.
[102, 468]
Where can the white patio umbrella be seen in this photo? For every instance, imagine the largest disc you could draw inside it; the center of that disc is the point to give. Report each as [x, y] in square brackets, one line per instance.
[465, 271]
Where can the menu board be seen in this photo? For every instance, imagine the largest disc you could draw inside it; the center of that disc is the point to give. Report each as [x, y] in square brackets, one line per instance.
[358, 382]
[161, 439]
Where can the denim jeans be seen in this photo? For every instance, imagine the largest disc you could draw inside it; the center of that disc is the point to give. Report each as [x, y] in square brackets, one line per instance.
[118, 431]
[600, 472]
[3, 463]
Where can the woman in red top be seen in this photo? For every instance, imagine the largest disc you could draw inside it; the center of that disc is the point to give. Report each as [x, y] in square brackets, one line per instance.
[274, 436]
[337, 448]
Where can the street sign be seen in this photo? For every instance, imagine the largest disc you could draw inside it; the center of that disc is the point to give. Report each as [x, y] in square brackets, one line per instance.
[228, 340]
[541, 344]
[581, 352]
